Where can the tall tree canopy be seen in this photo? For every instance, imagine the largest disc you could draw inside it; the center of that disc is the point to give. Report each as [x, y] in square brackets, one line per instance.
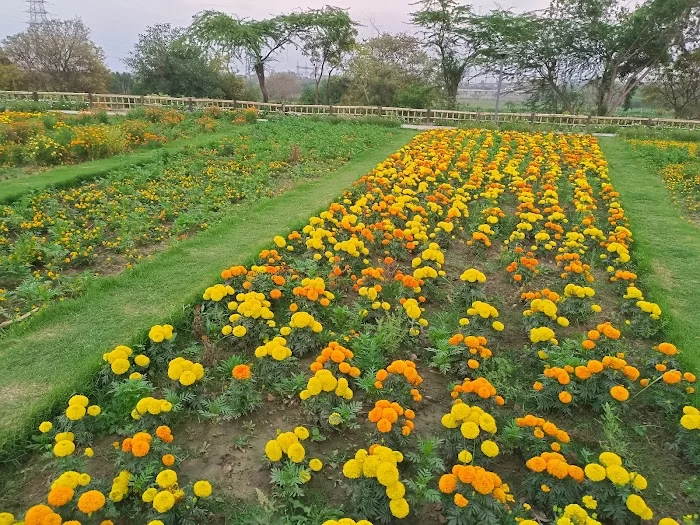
[166, 60]
[448, 30]
[255, 42]
[677, 86]
[58, 55]
[328, 36]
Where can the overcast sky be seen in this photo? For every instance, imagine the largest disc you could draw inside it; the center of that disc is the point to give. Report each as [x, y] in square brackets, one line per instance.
[116, 24]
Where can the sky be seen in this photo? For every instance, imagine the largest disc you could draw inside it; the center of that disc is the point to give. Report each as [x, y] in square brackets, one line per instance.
[116, 24]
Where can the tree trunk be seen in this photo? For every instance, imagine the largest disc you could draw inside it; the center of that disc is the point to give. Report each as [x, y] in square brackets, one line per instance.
[260, 72]
[318, 83]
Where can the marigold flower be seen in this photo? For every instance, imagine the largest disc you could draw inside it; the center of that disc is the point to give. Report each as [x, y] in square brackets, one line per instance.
[202, 489]
[91, 501]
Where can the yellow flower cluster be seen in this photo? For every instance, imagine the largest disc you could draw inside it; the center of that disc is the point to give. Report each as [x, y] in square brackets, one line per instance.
[413, 310]
[71, 479]
[305, 320]
[573, 290]
[288, 443]
[119, 359]
[160, 333]
[542, 334]
[472, 275]
[151, 405]
[276, 348]
[253, 305]
[120, 486]
[610, 467]
[324, 381]
[346, 521]
[471, 420]
[65, 445]
[691, 418]
[217, 292]
[185, 371]
[544, 306]
[483, 310]
[381, 462]
[78, 408]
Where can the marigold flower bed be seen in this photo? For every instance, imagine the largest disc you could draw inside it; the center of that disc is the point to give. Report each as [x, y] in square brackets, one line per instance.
[485, 278]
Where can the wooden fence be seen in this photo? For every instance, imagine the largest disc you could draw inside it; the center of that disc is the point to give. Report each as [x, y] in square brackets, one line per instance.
[407, 115]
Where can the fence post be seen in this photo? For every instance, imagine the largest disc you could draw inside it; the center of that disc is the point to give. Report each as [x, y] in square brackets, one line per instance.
[35, 96]
[379, 110]
[234, 103]
[532, 118]
[428, 116]
[589, 119]
[190, 105]
[649, 122]
[141, 100]
[330, 109]
[90, 101]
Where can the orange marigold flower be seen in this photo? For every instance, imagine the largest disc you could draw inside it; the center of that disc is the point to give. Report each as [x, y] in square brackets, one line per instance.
[241, 372]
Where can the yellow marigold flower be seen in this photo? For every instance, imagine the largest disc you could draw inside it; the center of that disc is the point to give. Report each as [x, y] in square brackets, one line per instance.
[75, 412]
[187, 378]
[638, 506]
[296, 452]
[149, 494]
[590, 502]
[63, 448]
[239, 331]
[609, 458]
[399, 508]
[617, 474]
[94, 410]
[489, 448]
[155, 522]
[164, 501]
[595, 472]
[315, 464]
[89, 452]
[6, 518]
[639, 482]
[334, 419]
[498, 326]
[304, 476]
[387, 474]
[84, 479]
[352, 469]
[395, 491]
[142, 360]
[301, 432]
[470, 430]
[202, 489]
[78, 400]
[120, 366]
[273, 451]
[45, 427]
[166, 478]
[465, 456]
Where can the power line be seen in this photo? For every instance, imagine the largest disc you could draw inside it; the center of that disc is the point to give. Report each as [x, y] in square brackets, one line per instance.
[37, 12]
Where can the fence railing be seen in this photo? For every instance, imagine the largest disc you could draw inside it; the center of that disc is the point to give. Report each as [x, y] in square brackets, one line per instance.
[113, 102]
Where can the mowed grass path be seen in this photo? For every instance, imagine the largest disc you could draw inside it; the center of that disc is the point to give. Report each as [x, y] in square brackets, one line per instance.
[667, 247]
[58, 352]
[71, 174]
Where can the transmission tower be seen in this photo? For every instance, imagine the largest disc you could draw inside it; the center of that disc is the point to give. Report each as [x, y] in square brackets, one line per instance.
[37, 12]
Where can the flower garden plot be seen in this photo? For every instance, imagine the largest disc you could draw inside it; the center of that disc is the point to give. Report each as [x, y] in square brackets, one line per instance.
[458, 338]
[679, 167]
[52, 242]
[36, 140]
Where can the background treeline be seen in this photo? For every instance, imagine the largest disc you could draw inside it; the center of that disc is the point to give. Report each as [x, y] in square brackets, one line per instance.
[577, 56]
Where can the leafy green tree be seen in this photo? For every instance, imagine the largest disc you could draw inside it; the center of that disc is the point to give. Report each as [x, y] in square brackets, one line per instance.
[165, 60]
[121, 82]
[448, 29]
[387, 67]
[329, 36]
[255, 42]
[58, 55]
[12, 78]
[677, 86]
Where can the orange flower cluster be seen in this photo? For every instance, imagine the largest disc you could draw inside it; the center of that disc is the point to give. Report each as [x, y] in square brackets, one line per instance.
[401, 368]
[272, 256]
[241, 372]
[606, 329]
[313, 290]
[385, 414]
[542, 427]
[408, 281]
[139, 445]
[623, 275]
[572, 264]
[339, 355]
[481, 480]
[479, 386]
[234, 271]
[545, 293]
[556, 466]
[475, 344]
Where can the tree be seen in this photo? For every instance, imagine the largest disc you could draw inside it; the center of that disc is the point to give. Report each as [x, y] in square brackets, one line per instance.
[284, 87]
[165, 60]
[538, 52]
[677, 86]
[390, 66]
[448, 29]
[121, 82]
[622, 46]
[329, 36]
[254, 42]
[12, 78]
[58, 55]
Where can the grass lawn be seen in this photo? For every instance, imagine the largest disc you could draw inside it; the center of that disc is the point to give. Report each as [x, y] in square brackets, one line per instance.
[59, 351]
[667, 247]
